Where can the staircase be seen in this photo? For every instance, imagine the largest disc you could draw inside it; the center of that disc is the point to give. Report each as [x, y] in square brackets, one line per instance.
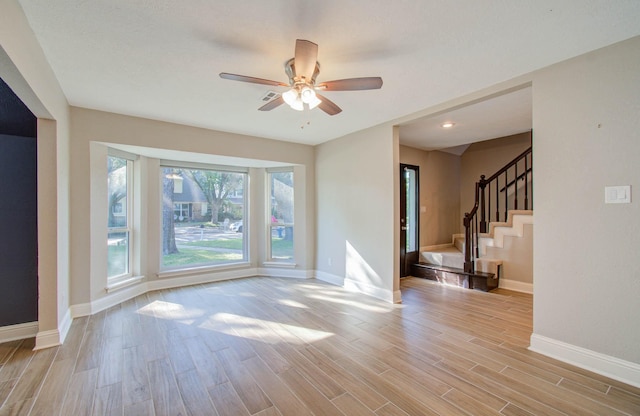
[464, 262]
[445, 263]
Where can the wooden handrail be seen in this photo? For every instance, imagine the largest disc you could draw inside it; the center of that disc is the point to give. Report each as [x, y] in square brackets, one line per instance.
[482, 205]
[509, 165]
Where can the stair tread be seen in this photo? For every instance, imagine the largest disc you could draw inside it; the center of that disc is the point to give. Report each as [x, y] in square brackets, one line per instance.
[444, 250]
[453, 270]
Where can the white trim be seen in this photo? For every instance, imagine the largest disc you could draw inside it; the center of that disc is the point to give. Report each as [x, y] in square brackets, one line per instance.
[279, 264]
[367, 289]
[515, 285]
[202, 166]
[65, 325]
[47, 339]
[201, 269]
[329, 278]
[121, 154]
[397, 296]
[117, 284]
[80, 309]
[117, 297]
[285, 272]
[198, 279]
[18, 331]
[606, 365]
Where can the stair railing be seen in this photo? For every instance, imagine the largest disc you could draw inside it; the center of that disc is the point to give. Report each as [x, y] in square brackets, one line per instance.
[507, 184]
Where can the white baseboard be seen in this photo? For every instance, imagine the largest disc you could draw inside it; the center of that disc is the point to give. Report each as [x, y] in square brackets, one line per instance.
[367, 289]
[80, 309]
[18, 331]
[196, 279]
[285, 272]
[129, 292]
[65, 325]
[516, 286]
[608, 366]
[397, 296]
[47, 339]
[329, 278]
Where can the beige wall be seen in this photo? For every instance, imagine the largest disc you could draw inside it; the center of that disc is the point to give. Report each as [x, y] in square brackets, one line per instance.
[486, 158]
[92, 131]
[355, 211]
[586, 264]
[24, 67]
[439, 193]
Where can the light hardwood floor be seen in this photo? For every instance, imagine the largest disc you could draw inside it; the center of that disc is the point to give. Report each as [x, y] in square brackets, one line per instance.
[267, 346]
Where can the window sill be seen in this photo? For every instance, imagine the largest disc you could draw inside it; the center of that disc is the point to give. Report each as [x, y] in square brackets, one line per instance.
[122, 283]
[282, 265]
[200, 270]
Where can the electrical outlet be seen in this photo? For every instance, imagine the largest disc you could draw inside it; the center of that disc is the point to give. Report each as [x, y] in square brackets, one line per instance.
[329, 261]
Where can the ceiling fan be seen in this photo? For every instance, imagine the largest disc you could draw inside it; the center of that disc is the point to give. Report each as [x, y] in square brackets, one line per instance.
[302, 71]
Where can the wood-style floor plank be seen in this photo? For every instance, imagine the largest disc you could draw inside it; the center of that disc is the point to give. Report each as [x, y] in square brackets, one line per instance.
[278, 347]
[108, 401]
[164, 390]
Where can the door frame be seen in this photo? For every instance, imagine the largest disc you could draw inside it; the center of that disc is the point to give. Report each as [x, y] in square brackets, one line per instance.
[407, 258]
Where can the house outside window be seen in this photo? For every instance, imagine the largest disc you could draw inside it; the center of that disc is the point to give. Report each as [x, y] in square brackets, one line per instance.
[181, 211]
[196, 221]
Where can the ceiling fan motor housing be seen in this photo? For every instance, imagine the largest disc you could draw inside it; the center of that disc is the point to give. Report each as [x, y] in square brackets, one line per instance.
[290, 69]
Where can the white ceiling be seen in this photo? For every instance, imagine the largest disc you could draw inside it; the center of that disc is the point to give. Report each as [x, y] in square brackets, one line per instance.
[160, 59]
[500, 116]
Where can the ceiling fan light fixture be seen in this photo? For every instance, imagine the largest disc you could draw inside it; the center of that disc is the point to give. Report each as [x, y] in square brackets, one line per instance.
[292, 98]
[307, 94]
[313, 103]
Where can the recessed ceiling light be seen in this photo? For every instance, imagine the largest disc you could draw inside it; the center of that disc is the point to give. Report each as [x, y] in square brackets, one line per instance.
[447, 125]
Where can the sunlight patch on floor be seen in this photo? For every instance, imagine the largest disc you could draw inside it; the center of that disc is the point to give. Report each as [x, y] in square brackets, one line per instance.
[292, 303]
[171, 311]
[262, 330]
[354, 303]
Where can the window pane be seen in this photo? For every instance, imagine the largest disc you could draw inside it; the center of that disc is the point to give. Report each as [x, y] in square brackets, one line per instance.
[118, 237]
[202, 217]
[282, 243]
[117, 254]
[281, 184]
[412, 215]
[117, 191]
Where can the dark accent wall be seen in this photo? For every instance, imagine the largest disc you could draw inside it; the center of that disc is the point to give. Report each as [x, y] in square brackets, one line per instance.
[18, 215]
[15, 118]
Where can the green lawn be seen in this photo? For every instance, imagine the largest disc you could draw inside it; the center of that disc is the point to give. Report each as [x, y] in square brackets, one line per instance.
[116, 260]
[281, 248]
[188, 256]
[228, 243]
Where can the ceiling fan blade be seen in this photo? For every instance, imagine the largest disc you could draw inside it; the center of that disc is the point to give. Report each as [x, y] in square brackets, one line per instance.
[351, 84]
[272, 104]
[305, 58]
[328, 106]
[244, 78]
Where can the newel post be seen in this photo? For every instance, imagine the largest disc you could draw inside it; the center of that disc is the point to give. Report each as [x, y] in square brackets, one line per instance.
[483, 218]
[468, 244]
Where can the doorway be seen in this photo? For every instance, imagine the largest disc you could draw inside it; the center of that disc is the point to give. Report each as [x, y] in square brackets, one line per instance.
[409, 217]
[19, 222]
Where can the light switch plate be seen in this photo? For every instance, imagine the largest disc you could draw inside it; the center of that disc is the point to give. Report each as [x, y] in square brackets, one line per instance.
[617, 194]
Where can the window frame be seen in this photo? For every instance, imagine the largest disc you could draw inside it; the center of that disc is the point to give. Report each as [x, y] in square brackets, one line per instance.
[172, 270]
[128, 229]
[268, 220]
